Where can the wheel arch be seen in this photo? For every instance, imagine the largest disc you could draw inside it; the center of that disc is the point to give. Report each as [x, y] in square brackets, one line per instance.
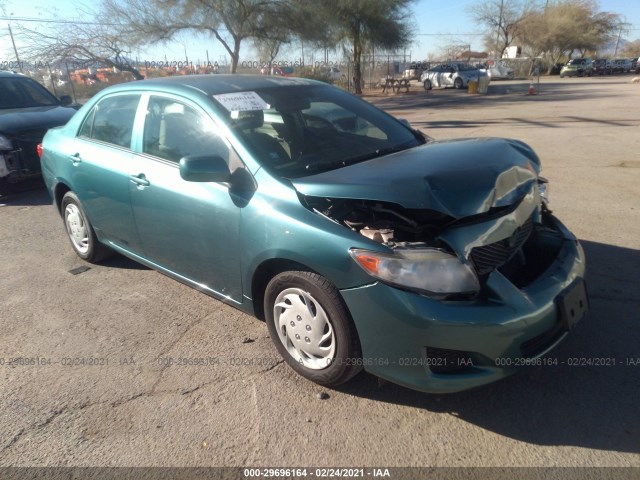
[60, 190]
[263, 275]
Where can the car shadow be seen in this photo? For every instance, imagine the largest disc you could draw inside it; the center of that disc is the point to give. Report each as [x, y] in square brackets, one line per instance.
[28, 194]
[117, 260]
[588, 400]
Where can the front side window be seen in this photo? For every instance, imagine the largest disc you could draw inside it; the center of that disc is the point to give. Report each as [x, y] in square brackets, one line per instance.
[111, 120]
[173, 130]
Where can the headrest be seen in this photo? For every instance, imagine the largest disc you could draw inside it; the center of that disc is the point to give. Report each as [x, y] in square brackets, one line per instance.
[174, 108]
[247, 120]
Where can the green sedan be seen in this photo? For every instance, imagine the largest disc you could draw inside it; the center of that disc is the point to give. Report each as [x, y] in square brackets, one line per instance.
[361, 242]
[577, 67]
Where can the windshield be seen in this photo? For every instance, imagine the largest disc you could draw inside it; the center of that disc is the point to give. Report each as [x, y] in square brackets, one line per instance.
[576, 62]
[23, 93]
[303, 130]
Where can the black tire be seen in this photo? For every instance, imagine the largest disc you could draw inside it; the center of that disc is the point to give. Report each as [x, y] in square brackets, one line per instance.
[458, 83]
[80, 232]
[323, 300]
[427, 84]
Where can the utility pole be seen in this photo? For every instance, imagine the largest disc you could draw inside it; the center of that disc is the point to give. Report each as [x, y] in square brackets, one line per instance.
[618, 42]
[14, 48]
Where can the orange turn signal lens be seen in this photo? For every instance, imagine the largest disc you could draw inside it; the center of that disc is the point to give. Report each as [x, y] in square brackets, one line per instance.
[368, 262]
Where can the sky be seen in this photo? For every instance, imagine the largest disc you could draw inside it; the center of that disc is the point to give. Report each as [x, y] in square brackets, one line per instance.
[437, 23]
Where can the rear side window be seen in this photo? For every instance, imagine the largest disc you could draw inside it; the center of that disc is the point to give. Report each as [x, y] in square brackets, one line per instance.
[111, 120]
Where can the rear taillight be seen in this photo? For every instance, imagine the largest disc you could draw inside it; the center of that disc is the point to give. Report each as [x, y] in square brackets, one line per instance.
[39, 150]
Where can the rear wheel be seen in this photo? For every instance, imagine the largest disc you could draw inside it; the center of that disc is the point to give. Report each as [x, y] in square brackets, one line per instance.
[311, 327]
[458, 83]
[427, 84]
[81, 234]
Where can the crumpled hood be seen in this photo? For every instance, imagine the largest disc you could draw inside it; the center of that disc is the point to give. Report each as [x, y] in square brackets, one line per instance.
[458, 177]
[34, 118]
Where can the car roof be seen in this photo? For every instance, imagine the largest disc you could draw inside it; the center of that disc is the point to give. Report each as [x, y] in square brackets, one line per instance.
[12, 74]
[214, 84]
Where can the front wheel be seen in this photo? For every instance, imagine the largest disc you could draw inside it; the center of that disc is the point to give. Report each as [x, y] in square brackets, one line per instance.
[458, 83]
[311, 327]
[427, 84]
[81, 234]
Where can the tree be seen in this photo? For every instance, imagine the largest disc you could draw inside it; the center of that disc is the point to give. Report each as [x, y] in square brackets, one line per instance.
[230, 22]
[566, 27]
[79, 43]
[356, 24]
[631, 49]
[502, 19]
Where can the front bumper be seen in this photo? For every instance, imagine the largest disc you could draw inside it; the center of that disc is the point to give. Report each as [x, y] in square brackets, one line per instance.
[405, 336]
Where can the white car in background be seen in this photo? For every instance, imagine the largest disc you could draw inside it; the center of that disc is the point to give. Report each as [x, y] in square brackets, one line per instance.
[453, 74]
[499, 70]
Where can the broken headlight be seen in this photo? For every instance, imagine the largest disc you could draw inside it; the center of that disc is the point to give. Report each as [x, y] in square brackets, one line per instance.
[426, 270]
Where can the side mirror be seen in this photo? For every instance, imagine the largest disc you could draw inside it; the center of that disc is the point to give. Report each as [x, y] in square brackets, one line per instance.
[65, 100]
[204, 168]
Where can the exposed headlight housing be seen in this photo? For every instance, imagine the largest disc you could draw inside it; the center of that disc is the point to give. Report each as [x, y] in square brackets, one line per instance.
[430, 271]
[5, 143]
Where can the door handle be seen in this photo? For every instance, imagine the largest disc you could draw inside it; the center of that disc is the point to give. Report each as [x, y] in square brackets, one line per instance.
[140, 180]
[75, 158]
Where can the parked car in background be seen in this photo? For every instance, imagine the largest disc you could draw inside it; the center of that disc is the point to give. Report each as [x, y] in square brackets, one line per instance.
[277, 70]
[622, 65]
[577, 67]
[454, 74]
[637, 65]
[499, 70]
[602, 66]
[283, 71]
[27, 111]
[334, 73]
[360, 241]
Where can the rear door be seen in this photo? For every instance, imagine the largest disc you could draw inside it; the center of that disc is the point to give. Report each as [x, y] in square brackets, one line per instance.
[100, 159]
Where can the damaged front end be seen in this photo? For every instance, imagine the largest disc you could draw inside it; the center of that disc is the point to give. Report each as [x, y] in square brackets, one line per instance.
[442, 257]
[450, 213]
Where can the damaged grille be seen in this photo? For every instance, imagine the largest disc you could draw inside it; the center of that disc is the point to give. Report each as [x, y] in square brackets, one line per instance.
[489, 257]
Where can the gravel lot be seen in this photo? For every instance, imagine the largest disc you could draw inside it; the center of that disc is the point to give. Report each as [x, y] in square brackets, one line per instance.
[131, 408]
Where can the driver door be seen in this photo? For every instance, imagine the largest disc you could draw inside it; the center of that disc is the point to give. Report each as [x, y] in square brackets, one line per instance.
[190, 229]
